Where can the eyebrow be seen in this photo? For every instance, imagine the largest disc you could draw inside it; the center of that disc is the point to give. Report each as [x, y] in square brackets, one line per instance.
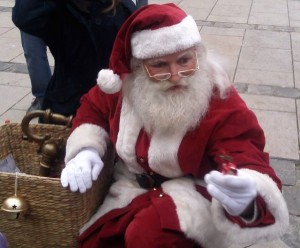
[161, 60]
[187, 53]
[155, 61]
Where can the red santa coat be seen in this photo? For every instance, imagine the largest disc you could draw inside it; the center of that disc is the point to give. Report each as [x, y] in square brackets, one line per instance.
[228, 126]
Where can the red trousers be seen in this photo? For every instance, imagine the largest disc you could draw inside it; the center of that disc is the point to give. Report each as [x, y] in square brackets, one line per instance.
[149, 221]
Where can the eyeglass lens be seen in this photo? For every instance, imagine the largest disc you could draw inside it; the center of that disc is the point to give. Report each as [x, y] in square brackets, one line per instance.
[166, 76]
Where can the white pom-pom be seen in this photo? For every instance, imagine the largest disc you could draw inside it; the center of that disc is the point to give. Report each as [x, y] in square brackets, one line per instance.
[109, 82]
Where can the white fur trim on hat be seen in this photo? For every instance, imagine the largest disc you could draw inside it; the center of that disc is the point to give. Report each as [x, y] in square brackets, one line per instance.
[154, 43]
[109, 82]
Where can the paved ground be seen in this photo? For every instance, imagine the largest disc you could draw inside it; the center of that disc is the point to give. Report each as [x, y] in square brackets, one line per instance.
[259, 44]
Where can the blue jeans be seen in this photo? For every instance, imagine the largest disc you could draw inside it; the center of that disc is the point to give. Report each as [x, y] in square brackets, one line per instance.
[141, 3]
[35, 52]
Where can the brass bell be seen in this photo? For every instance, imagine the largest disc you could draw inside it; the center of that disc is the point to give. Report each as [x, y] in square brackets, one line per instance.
[15, 206]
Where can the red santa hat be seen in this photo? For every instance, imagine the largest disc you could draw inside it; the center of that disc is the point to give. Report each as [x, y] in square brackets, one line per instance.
[152, 31]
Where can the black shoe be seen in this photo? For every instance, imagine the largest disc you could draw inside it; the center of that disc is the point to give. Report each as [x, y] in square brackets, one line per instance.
[35, 105]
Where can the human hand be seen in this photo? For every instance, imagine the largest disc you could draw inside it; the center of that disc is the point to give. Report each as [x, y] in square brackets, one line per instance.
[234, 192]
[82, 170]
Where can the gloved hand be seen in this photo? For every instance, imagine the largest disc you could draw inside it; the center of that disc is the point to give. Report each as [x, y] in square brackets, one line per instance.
[234, 192]
[81, 170]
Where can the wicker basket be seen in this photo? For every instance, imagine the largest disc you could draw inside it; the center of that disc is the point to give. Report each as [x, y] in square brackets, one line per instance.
[56, 214]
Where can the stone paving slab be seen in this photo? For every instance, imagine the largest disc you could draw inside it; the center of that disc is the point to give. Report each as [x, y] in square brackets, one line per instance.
[226, 51]
[15, 79]
[6, 21]
[266, 59]
[14, 115]
[6, 3]
[296, 46]
[277, 116]
[281, 133]
[292, 196]
[286, 170]
[230, 13]
[3, 30]
[272, 78]
[274, 244]
[298, 114]
[272, 103]
[10, 48]
[268, 90]
[267, 39]
[269, 19]
[292, 236]
[14, 93]
[297, 74]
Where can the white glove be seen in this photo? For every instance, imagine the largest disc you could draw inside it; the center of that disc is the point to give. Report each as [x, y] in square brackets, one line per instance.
[234, 192]
[81, 170]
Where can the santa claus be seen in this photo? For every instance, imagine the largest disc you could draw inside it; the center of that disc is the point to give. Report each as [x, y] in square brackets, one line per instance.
[178, 126]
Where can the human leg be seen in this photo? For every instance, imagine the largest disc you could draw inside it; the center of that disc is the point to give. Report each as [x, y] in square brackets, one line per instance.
[149, 221]
[146, 231]
[35, 52]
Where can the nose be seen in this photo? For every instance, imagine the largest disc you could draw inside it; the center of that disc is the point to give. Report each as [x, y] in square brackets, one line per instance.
[175, 78]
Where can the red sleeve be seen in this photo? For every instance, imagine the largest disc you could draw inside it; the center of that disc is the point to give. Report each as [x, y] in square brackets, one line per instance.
[239, 135]
[96, 107]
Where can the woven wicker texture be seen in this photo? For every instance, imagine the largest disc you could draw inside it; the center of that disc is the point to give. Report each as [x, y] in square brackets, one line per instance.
[56, 214]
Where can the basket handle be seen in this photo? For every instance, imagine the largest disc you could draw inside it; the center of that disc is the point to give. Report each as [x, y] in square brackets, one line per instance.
[48, 117]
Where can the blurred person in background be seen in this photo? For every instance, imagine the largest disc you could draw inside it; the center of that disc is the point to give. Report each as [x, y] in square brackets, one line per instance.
[80, 36]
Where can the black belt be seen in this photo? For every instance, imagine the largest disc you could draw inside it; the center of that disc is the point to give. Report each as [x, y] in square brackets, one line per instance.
[150, 180]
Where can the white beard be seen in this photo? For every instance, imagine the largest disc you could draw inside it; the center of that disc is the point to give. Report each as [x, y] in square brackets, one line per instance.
[164, 111]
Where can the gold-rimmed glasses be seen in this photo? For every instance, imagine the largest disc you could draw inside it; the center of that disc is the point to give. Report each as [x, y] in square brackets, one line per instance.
[168, 75]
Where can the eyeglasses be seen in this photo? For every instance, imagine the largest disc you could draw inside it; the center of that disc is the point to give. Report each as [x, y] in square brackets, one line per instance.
[168, 75]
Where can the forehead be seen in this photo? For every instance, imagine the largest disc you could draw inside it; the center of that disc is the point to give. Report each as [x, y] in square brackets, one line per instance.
[189, 51]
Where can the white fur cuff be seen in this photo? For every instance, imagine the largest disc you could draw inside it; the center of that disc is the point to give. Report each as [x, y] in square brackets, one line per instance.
[86, 135]
[275, 202]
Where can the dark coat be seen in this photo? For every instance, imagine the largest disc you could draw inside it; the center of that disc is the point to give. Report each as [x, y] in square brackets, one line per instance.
[80, 43]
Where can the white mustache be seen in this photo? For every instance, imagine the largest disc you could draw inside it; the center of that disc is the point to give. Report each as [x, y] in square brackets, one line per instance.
[165, 85]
